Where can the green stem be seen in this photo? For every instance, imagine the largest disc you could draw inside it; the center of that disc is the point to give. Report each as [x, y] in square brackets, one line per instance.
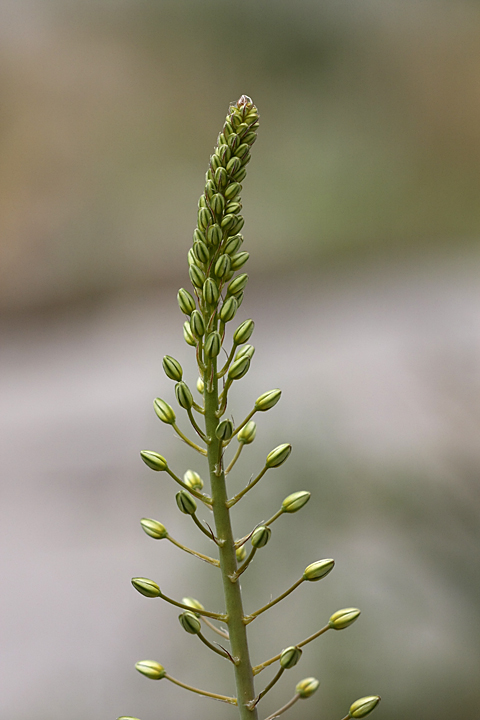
[187, 440]
[251, 485]
[200, 496]
[269, 686]
[262, 666]
[195, 427]
[210, 645]
[255, 614]
[204, 530]
[207, 613]
[245, 565]
[235, 458]
[274, 517]
[282, 709]
[219, 631]
[249, 417]
[228, 561]
[206, 558]
[223, 698]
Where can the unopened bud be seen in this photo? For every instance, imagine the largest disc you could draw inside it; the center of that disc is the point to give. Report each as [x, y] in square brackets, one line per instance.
[239, 260]
[295, 501]
[153, 460]
[233, 166]
[183, 395]
[228, 221]
[243, 332]
[245, 351]
[217, 204]
[318, 570]
[233, 244]
[261, 536]
[239, 368]
[210, 291]
[221, 177]
[268, 400]
[277, 457]
[229, 308]
[190, 622]
[188, 335]
[240, 175]
[290, 657]
[306, 688]
[214, 234]
[204, 218]
[186, 303]
[186, 503]
[164, 411]
[200, 385]
[224, 430]
[197, 276]
[197, 325]
[191, 257]
[233, 141]
[233, 189]
[247, 434]
[237, 285]
[233, 207]
[362, 707]
[198, 236]
[222, 266]
[172, 368]
[201, 252]
[343, 618]
[237, 225]
[151, 669]
[154, 528]
[193, 480]
[241, 553]
[192, 603]
[146, 587]
[213, 344]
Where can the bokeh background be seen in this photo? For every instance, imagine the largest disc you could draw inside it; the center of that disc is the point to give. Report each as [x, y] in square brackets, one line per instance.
[363, 223]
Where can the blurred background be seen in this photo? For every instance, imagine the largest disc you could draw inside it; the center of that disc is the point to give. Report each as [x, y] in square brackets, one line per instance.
[363, 223]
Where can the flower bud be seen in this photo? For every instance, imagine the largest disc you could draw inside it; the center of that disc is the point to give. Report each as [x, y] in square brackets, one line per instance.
[234, 188]
[362, 707]
[233, 207]
[215, 162]
[233, 244]
[146, 587]
[228, 221]
[190, 622]
[151, 669]
[214, 234]
[243, 332]
[307, 687]
[229, 308]
[267, 400]
[217, 204]
[242, 150]
[191, 258]
[201, 252]
[186, 503]
[224, 153]
[343, 618]
[198, 236]
[210, 291]
[154, 528]
[164, 411]
[237, 285]
[221, 177]
[241, 553]
[233, 141]
[295, 501]
[222, 266]
[233, 166]
[186, 302]
[261, 536]
[205, 218]
[247, 434]
[237, 225]
[188, 335]
[193, 480]
[290, 657]
[278, 455]
[239, 297]
[224, 430]
[172, 368]
[153, 460]
[200, 385]
[197, 276]
[240, 175]
[213, 344]
[209, 189]
[318, 570]
[250, 138]
[184, 396]
[197, 326]
[191, 602]
[245, 351]
[239, 260]
[239, 368]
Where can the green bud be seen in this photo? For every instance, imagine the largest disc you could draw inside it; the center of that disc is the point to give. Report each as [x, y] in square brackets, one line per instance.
[233, 207]
[151, 669]
[215, 162]
[201, 252]
[245, 351]
[295, 501]
[318, 570]
[247, 434]
[186, 503]
[228, 276]
[343, 618]
[241, 553]
[184, 396]
[261, 536]
[164, 411]
[233, 166]
[209, 189]
[267, 400]
[188, 335]
[213, 344]
[234, 188]
[198, 236]
[153, 460]
[197, 276]
[224, 430]
[221, 177]
[237, 285]
[242, 151]
[239, 368]
[239, 260]
[205, 218]
[210, 291]
[146, 587]
[214, 234]
[239, 297]
[306, 688]
[290, 657]
[237, 226]
[218, 204]
[193, 480]
[241, 128]
[191, 602]
[224, 153]
[191, 257]
[186, 302]
[228, 222]
[240, 175]
[172, 368]
[229, 308]
[227, 128]
[222, 266]
[233, 244]
[243, 332]
[233, 141]
[250, 138]
[200, 385]
[197, 326]
[362, 707]
[277, 457]
[190, 622]
[154, 528]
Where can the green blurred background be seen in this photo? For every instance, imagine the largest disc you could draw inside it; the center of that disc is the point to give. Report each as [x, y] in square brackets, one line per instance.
[363, 222]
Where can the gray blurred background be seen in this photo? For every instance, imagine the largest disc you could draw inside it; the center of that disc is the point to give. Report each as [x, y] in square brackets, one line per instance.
[363, 223]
